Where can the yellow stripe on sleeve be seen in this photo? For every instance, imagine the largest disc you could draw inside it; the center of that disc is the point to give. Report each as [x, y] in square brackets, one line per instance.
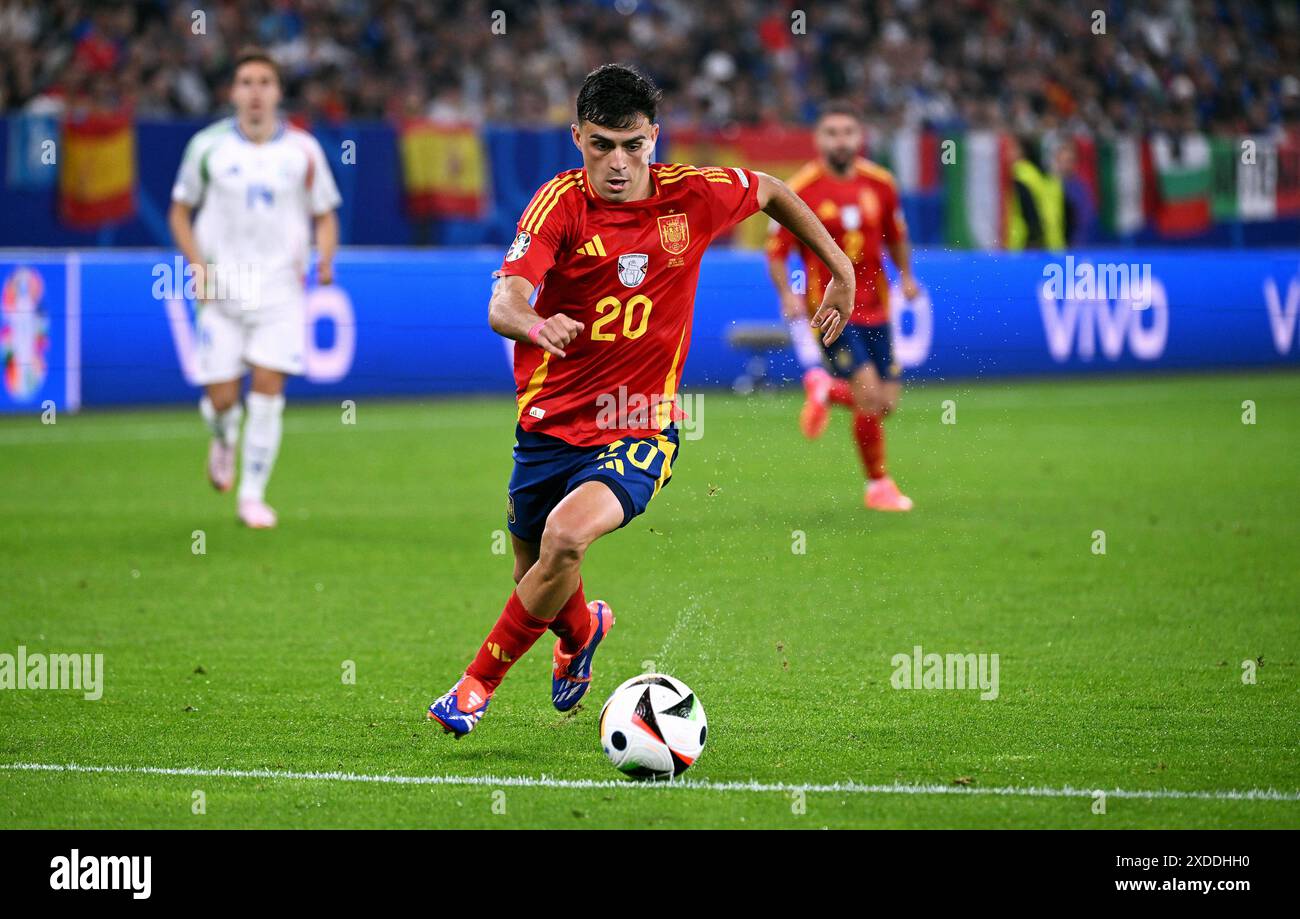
[554, 199]
[537, 199]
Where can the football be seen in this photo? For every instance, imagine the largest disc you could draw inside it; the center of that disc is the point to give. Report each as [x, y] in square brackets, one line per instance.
[653, 727]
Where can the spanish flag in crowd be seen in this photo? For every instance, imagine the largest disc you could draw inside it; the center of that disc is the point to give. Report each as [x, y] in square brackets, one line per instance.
[444, 170]
[97, 170]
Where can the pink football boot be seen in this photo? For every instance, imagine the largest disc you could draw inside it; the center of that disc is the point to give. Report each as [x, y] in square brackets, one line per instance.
[883, 495]
[816, 411]
[221, 465]
[255, 514]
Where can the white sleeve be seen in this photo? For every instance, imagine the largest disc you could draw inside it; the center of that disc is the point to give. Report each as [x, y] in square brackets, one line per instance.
[323, 195]
[191, 180]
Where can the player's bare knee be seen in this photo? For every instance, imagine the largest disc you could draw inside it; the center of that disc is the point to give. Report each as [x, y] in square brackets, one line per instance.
[563, 544]
[868, 404]
[223, 397]
[267, 382]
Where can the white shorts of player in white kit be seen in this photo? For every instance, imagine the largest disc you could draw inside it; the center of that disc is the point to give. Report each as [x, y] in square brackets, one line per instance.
[232, 339]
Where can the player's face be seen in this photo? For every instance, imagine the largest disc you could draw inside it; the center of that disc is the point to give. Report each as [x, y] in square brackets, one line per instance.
[838, 139]
[617, 161]
[256, 92]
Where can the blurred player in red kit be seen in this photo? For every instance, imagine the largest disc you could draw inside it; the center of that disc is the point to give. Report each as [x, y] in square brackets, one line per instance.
[613, 251]
[858, 203]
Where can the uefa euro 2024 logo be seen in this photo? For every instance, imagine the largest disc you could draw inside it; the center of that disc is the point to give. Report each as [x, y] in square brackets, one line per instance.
[24, 334]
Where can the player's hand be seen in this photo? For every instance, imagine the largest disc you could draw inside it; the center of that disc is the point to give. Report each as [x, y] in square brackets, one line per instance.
[325, 273]
[833, 314]
[554, 334]
[909, 285]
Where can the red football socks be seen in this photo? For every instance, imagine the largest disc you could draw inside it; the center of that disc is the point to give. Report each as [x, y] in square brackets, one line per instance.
[870, 435]
[841, 392]
[515, 632]
[573, 622]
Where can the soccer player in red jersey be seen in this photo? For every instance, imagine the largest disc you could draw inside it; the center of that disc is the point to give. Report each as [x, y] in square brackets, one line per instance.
[858, 203]
[613, 250]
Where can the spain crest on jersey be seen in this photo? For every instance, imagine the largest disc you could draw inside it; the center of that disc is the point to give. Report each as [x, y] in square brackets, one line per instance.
[674, 233]
[632, 268]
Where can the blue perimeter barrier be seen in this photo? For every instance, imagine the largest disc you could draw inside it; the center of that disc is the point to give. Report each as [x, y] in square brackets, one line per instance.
[85, 326]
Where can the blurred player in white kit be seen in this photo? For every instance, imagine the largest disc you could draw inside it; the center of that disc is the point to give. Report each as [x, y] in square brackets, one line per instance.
[260, 187]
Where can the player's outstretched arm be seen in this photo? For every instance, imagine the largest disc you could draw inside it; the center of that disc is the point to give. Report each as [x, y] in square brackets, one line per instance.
[901, 252]
[512, 316]
[785, 207]
[179, 220]
[327, 243]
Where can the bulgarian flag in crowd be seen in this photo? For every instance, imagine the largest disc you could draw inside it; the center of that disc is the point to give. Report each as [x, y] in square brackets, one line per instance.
[976, 189]
[97, 170]
[1183, 180]
[444, 170]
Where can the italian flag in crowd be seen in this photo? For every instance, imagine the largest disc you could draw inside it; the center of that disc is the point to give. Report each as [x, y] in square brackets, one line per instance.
[912, 155]
[1255, 178]
[975, 171]
[1122, 168]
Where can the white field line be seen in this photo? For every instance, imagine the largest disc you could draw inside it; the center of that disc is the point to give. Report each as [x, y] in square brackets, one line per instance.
[855, 788]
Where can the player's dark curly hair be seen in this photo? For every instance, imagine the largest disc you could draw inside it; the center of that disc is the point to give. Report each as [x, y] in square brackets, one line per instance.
[614, 95]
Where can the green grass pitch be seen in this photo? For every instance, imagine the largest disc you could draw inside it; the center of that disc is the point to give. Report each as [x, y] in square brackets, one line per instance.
[1117, 671]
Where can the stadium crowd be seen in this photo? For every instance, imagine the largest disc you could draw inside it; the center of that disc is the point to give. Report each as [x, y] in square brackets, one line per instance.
[1028, 65]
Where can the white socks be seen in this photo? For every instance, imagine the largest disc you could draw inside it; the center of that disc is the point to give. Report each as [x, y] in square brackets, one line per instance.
[261, 444]
[806, 350]
[223, 425]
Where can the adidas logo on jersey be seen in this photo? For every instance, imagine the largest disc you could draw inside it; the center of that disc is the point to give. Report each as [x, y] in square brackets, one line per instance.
[592, 247]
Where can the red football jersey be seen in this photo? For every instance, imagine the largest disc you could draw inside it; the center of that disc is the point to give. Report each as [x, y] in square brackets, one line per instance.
[628, 272]
[863, 215]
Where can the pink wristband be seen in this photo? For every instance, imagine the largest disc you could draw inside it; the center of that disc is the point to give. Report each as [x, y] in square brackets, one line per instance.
[532, 333]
